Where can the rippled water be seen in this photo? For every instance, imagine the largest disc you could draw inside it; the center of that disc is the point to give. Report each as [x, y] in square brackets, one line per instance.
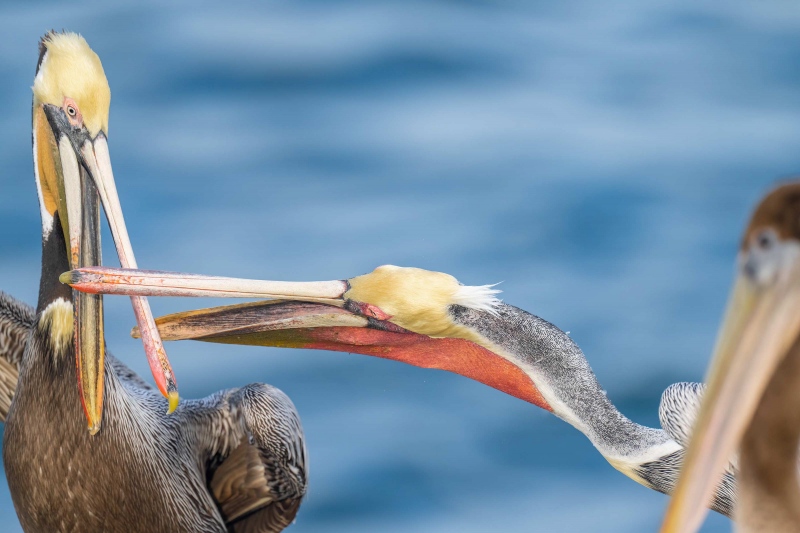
[598, 158]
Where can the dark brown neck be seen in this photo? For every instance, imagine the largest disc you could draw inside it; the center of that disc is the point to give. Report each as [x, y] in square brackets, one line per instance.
[54, 263]
[768, 486]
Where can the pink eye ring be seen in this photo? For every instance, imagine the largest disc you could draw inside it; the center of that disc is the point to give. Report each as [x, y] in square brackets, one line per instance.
[73, 113]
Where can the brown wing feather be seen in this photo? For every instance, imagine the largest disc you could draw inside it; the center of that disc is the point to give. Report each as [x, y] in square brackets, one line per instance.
[260, 484]
[16, 321]
[258, 487]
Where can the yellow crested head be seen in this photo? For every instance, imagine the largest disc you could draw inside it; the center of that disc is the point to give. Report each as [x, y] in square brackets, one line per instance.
[70, 70]
[418, 300]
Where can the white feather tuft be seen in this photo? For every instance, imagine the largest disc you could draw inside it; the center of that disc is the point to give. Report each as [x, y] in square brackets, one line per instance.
[56, 322]
[478, 297]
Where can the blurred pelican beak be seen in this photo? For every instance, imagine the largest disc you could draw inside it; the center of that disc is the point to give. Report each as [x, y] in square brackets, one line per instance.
[760, 326]
[319, 316]
[84, 180]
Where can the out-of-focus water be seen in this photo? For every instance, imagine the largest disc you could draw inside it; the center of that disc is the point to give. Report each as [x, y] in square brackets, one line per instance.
[599, 158]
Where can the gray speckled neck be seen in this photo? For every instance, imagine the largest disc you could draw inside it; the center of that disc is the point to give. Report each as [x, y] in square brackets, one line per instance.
[557, 363]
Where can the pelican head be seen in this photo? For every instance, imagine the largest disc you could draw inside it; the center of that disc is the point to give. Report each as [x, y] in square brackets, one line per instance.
[71, 99]
[761, 326]
[417, 300]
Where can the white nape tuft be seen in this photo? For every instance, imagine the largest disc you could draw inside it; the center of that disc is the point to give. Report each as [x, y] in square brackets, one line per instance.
[56, 321]
[478, 297]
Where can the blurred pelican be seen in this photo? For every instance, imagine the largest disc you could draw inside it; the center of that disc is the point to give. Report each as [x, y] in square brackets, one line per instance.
[428, 319]
[234, 461]
[753, 398]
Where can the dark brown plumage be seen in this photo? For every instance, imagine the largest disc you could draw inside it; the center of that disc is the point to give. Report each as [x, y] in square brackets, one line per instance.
[245, 486]
[234, 461]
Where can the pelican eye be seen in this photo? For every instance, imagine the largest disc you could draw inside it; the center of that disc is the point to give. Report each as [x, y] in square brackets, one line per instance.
[765, 240]
[72, 111]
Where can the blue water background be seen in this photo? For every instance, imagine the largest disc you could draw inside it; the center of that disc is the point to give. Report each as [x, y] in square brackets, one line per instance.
[598, 158]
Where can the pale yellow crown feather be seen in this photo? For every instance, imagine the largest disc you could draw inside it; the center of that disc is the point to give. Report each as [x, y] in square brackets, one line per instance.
[70, 69]
[418, 300]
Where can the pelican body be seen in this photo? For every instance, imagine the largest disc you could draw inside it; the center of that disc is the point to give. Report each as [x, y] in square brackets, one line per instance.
[753, 400]
[234, 461]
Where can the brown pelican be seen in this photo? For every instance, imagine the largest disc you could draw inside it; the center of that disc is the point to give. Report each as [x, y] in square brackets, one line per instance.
[428, 319]
[234, 461]
[752, 400]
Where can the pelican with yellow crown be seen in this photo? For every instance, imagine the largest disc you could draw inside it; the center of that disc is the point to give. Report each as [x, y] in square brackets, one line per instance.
[234, 461]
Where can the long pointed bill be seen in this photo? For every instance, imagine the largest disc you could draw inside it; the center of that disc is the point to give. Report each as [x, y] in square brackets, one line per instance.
[759, 327]
[85, 159]
[80, 205]
[314, 318]
[157, 283]
[96, 158]
[89, 308]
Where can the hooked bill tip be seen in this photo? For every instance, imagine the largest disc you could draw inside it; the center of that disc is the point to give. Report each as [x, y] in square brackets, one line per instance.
[94, 428]
[68, 278]
[173, 398]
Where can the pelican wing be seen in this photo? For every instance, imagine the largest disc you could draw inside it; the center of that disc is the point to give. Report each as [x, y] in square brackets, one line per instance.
[677, 412]
[260, 484]
[16, 321]
[678, 409]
